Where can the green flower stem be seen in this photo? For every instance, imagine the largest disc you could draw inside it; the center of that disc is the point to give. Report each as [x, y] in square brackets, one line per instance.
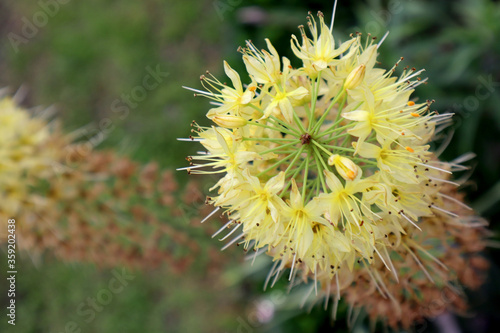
[298, 121]
[337, 129]
[275, 165]
[286, 151]
[338, 120]
[339, 148]
[328, 140]
[334, 101]
[279, 129]
[306, 171]
[319, 181]
[284, 125]
[256, 108]
[314, 187]
[293, 143]
[276, 120]
[315, 92]
[329, 153]
[270, 139]
[299, 168]
[364, 160]
[333, 127]
[320, 170]
[308, 112]
[340, 136]
[297, 154]
[341, 106]
[345, 141]
[322, 160]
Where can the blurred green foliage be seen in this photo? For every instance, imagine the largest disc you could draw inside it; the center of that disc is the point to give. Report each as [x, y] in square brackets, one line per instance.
[90, 53]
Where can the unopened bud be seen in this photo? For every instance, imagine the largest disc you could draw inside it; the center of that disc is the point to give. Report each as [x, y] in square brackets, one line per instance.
[355, 78]
[346, 168]
[228, 121]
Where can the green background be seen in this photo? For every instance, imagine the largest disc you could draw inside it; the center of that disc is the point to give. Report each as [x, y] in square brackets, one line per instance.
[88, 53]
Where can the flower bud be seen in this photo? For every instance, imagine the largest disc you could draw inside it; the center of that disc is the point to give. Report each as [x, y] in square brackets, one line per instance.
[346, 168]
[355, 78]
[228, 121]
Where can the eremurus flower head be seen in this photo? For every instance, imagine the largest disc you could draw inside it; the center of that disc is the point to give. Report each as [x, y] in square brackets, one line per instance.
[327, 166]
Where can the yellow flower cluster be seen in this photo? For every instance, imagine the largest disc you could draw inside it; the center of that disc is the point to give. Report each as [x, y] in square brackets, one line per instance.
[324, 165]
[29, 150]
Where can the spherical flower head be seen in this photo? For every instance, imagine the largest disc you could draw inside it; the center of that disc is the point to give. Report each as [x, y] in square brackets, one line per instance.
[323, 165]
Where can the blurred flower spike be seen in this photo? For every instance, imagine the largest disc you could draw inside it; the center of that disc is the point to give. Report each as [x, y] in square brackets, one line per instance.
[81, 205]
[326, 167]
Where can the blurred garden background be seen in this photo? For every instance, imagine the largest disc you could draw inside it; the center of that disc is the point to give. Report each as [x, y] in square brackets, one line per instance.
[87, 59]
